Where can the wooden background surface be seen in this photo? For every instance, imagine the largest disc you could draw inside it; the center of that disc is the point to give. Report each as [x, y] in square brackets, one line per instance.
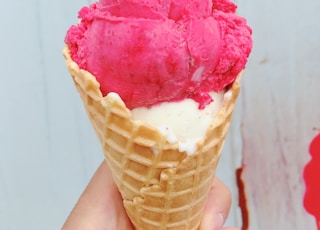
[48, 150]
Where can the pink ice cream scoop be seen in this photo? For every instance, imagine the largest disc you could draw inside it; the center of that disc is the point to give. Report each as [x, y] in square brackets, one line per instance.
[151, 51]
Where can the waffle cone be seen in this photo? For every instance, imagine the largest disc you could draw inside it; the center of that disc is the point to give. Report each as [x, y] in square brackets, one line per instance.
[161, 187]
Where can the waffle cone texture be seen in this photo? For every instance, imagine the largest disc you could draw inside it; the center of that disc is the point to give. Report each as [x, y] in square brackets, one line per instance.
[161, 187]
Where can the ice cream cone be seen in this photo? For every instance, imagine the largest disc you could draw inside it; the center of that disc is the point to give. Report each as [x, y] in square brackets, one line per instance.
[161, 187]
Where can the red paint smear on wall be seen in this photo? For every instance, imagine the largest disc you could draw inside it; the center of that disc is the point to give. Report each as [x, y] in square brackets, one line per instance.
[312, 181]
[242, 199]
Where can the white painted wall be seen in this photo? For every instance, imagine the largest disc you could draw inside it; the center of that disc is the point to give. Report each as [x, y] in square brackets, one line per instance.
[281, 106]
[48, 150]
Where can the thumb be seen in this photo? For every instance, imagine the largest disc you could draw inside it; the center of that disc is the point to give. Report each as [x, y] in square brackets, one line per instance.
[217, 207]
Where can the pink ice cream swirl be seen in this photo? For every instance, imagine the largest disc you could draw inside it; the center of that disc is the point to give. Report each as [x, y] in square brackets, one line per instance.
[152, 51]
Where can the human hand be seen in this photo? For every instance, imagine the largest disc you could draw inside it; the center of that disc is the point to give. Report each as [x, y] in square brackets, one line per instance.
[100, 206]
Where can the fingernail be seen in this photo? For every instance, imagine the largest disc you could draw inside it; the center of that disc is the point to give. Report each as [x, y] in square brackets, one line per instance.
[212, 222]
[218, 221]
